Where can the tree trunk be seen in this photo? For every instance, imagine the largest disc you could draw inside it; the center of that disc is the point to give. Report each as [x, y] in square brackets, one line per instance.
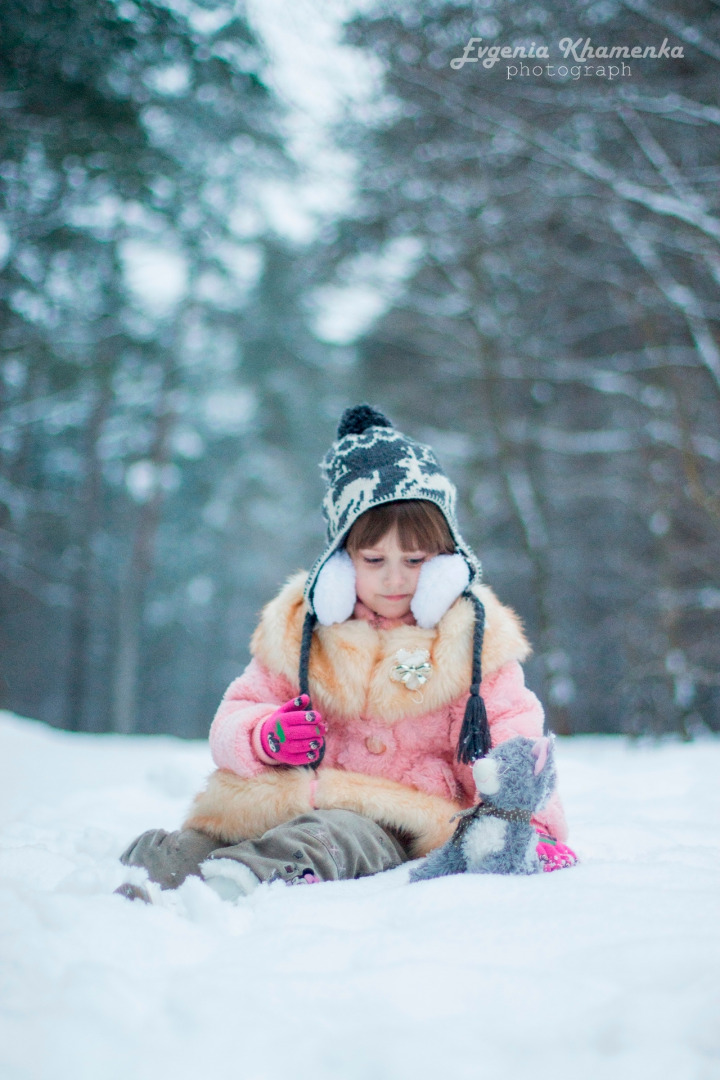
[132, 598]
[89, 517]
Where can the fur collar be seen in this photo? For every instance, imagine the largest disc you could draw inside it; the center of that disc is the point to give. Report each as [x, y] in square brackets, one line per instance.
[351, 662]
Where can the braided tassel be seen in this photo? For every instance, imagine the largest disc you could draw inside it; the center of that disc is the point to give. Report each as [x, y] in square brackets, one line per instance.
[303, 676]
[474, 741]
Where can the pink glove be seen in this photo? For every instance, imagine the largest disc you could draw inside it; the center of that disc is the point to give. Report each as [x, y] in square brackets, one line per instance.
[293, 734]
[552, 854]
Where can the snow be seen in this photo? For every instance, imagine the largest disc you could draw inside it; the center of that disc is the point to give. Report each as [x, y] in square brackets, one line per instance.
[606, 970]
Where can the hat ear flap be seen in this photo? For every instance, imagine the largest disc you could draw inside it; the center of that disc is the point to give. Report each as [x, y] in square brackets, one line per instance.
[334, 594]
[442, 579]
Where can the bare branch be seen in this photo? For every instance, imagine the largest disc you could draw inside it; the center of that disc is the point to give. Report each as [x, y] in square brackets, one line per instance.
[671, 104]
[690, 34]
[657, 156]
[680, 296]
[459, 111]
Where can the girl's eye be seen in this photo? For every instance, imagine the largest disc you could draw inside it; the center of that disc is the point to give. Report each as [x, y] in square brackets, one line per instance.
[372, 562]
[416, 562]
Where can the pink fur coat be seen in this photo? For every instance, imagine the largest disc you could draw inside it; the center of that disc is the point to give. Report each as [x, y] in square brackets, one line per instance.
[390, 750]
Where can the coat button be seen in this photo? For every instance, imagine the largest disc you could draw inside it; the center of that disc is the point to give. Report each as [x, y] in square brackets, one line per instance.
[374, 745]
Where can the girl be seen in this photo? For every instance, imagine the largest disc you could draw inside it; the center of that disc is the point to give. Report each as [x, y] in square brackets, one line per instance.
[377, 679]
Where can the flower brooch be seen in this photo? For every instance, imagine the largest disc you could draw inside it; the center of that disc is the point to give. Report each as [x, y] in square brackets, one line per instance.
[412, 669]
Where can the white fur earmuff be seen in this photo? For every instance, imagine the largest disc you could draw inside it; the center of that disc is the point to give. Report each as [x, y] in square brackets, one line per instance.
[442, 579]
[334, 596]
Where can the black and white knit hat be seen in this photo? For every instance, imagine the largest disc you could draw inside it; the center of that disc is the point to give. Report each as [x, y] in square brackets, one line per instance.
[370, 464]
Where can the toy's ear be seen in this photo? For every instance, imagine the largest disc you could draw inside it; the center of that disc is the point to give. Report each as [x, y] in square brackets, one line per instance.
[540, 753]
[442, 579]
[334, 594]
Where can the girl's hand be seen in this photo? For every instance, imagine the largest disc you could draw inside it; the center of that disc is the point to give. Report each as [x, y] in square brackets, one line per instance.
[552, 854]
[293, 734]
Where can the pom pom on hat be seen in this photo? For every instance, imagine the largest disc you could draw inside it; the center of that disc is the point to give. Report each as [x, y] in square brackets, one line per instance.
[359, 418]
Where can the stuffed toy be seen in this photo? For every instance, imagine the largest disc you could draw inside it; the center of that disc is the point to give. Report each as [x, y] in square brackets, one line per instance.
[514, 781]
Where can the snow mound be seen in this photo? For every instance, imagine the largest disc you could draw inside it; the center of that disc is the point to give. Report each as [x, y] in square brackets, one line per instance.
[606, 970]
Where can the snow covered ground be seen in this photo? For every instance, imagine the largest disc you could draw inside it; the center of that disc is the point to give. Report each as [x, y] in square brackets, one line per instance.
[607, 970]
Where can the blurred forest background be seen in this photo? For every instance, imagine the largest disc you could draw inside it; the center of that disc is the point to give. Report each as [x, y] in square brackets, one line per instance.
[524, 273]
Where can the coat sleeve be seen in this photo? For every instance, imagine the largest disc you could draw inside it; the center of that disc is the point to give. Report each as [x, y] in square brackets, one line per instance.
[249, 699]
[512, 710]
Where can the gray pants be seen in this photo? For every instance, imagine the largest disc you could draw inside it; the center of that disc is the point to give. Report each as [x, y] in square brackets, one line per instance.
[324, 845]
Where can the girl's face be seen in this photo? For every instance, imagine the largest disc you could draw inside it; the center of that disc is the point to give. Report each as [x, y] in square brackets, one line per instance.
[386, 576]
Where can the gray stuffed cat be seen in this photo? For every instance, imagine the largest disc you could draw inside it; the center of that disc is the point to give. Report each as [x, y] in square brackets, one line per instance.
[514, 781]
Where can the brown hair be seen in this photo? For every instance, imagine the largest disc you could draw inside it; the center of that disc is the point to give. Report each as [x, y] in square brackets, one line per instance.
[420, 524]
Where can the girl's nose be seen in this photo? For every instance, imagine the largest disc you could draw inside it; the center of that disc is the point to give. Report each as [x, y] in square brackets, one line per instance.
[395, 576]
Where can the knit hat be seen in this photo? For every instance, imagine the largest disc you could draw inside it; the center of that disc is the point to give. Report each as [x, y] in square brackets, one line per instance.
[372, 463]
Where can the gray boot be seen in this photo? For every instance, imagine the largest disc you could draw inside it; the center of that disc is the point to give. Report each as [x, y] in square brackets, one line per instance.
[133, 892]
[170, 857]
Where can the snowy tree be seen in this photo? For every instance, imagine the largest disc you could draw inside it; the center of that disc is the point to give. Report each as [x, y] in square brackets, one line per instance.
[148, 416]
[559, 323]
